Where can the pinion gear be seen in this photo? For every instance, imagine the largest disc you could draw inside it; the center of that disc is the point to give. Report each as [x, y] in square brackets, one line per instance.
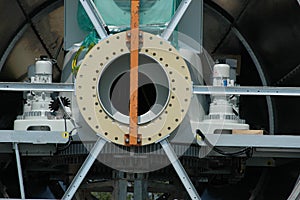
[55, 104]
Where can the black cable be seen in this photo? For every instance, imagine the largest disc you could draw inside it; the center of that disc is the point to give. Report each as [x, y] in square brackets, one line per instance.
[248, 150]
[65, 120]
[66, 146]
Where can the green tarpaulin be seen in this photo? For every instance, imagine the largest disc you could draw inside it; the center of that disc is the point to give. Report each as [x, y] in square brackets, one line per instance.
[116, 13]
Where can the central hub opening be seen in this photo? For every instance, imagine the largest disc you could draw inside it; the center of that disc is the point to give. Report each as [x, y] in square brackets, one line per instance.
[114, 89]
[120, 90]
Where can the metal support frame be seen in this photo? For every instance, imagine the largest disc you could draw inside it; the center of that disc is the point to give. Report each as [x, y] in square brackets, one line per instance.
[45, 87]
[257, 91]
[19, 167]
[120, 189]
[180, 170]
[95, 17]
[140, 187]
[258, 141]
[197, 89]
[176, 19]
[295, 195]
[33, 137]
[86, 166]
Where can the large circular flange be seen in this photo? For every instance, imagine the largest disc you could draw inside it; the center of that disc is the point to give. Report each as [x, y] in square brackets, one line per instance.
[107, 125]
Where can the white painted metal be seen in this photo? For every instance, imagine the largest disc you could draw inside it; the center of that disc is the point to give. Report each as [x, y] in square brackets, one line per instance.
[221, 116]
[180, 170]
[86, 166]
[47, 87]
[176, 19]
[95, 17]
[295, 195]
[19, 167]
[33, 137]
[260, 141]
[242, 90]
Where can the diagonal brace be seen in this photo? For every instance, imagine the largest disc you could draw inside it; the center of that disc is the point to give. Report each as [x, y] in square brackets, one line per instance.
[180, 170]
[86, 166]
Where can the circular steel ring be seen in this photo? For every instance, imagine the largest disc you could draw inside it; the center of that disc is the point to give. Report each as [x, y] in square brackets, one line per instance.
[113, 47]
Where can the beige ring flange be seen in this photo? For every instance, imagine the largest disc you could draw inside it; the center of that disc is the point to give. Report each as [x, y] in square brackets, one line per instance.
[101, 56]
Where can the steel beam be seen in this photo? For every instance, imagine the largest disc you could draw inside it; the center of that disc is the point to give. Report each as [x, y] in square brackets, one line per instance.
[45, 87]
[19, 167]
[191, 190]
[260, 141]
[241, 90]
[86, 166]
[95, 17]
[295, 195]
[176, 19]
[33, 137]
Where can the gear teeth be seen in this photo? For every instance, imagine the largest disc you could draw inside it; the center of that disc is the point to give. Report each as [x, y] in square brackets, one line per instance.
[55, 104]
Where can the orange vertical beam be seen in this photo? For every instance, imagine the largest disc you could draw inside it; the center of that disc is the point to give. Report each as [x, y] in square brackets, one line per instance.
[134, 72]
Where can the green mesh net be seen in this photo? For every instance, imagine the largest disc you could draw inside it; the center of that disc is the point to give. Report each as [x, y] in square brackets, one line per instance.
[116, 13]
